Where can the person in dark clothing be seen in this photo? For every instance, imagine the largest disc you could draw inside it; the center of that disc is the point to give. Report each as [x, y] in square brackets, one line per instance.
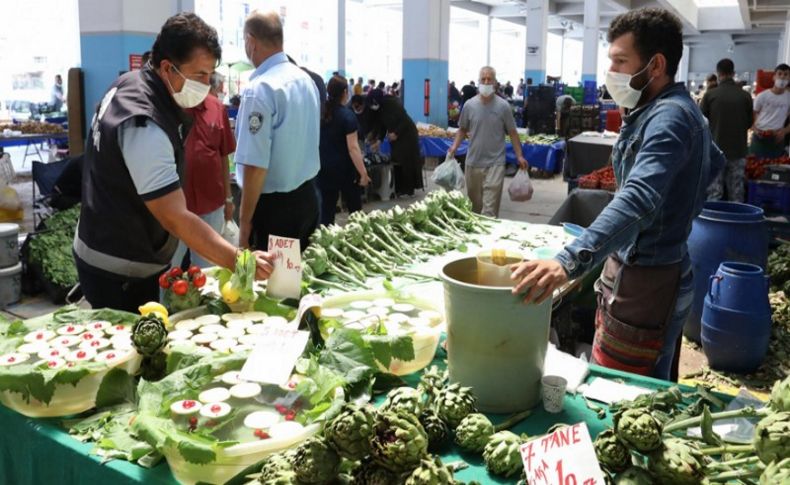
[468, 92]
[319, 82]
[508, 90]
[453, 94]
[389, 118]
[342, 167]
[729, 112]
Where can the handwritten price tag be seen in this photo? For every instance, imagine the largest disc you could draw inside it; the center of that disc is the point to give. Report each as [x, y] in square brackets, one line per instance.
[564, 457]
[286, 279]
[273, 358]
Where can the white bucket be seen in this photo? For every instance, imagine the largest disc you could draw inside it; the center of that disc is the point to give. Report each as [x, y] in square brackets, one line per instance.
[10, 285]
[9, 244]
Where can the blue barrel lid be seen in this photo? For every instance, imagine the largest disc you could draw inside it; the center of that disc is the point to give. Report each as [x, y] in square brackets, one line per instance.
[731, 212]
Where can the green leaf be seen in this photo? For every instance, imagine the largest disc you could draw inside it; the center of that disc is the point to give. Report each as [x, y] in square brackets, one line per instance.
[347, 354]
[706, 425]
[197, 451]
[273, 307]
[388, 347]
[116, 387]
[223, 276]
[17, 327]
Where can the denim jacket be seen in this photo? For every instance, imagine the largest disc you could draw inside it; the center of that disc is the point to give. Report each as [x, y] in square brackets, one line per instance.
[663, 161]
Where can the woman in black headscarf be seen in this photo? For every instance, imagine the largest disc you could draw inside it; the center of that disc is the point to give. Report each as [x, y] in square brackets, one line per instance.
[388, 118]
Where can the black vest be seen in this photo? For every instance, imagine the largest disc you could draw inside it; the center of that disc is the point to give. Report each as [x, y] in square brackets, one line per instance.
[117, 233]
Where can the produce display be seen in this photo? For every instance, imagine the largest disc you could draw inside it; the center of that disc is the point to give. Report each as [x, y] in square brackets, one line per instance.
[34, 128]
[755, 167]
[59, 365]
[603, 178]
[182, 289]
[50, 248]
[539, 139]
[433, 131]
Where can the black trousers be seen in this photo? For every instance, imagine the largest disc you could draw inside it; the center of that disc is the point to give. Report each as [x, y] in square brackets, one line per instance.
[107, 290]
[288, 214]
[352, 197]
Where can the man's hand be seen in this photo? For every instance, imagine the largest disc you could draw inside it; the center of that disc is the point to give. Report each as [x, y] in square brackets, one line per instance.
[374, 147]
[392, 136]
[229, 207]
[522, 162]
[364, 180]
[263, 264]
[540, 277]
[245, 229]
[451, 152]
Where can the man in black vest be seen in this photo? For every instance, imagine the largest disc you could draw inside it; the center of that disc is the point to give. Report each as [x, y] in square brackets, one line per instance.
[133, 208]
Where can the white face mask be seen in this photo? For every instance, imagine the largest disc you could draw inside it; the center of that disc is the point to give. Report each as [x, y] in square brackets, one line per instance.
[619, 86]
[486, 90]
[192, 94]
[780, 83]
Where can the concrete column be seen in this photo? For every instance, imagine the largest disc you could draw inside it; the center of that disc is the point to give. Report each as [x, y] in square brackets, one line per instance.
[683, 69]
[784, 46]
[537, 30]
[425, 54]
[341, 37]
[111, 30]
[486, 32]
[590, 42]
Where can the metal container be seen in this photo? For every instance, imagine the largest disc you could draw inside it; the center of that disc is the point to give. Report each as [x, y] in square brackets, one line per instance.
[10, 285]
[9, 244]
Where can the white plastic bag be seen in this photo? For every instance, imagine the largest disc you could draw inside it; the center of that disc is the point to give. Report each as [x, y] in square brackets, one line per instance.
[230, 232]
[448, 175]
[520, 189]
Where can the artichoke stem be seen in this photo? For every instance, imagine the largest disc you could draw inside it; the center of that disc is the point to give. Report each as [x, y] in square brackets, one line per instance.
[736, 474]
[718, 450]
[747, 412]
[512, 420]
[739, 462]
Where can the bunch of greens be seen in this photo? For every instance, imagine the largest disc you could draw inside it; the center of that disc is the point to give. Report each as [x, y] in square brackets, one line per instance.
[50, 247]
[237, 286]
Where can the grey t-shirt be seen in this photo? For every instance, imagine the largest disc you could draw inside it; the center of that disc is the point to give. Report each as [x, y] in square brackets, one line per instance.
[487, 125]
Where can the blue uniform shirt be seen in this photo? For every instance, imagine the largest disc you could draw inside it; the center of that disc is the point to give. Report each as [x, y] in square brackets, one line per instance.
[278, 125]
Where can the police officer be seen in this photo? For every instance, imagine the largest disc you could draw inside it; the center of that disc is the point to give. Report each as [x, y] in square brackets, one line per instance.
[132, 202]
[277, 129]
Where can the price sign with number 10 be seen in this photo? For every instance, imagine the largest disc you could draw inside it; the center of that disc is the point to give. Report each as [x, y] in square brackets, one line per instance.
[564, 457]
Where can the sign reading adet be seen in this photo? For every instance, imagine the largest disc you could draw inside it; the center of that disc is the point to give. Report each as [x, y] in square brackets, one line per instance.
[286, 279]
[564, 457]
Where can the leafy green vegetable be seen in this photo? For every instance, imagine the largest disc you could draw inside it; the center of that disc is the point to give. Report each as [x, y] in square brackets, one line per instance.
[274, 307]
[117, 387]
[50, 248]
[388, 347]
[215, 306]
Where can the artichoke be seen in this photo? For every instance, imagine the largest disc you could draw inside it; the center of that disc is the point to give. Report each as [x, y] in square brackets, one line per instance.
[502, 455]
[638, 429]
[777, 473]
[315, 461]
[350, 432]
[399, 441]
[149, 335]
[434, 427]
[278, 468]
[611, 452]
[406, 400]
[369, 473]
[473, 432]
[635, 476]
[780, 396]
[678, 462]
[432, 381]
[431, 472]
[454, 403]
[772, 437]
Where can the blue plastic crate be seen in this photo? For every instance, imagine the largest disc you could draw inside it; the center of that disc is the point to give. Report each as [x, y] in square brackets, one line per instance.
[770, 196]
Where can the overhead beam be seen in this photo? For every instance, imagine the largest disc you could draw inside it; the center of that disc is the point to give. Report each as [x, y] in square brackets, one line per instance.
[743, 6]
[502, 11]
[769, 17]
[475, 7]
[686, 10]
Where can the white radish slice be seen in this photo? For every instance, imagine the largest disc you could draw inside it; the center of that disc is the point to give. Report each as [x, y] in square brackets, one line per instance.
[204, 338]
[215, 410]
[215, 394]
[98, 325]
[110, 356]
[245, 390]
[356, 325]
[403, 307]
[81, 355]
[434, 316]
[261, 420]
[202, 351]
[212, 328]
[70, 329]
[233, 316]
[379, 311]
[208, 320]
[121, 341]
[383, 302]
[331, 312]
[361, 304]
[185, 407]
[255, 316]
[239, 324]
[275, 321]
[33, 348]
[39, 336]
[241, 348]
[95, 344]
[256, 329]
[353, 315]
[398, 318]
[52, 353]
[187, 325]
[179, 335]
[118, 329]
[223, 345]
[13, 358]
[65, 341]
[231, 333]
[53, 363]
[393, 328]
[250, 340]
[419, 322]
[286, 429]
[91, 335]
[231, 377]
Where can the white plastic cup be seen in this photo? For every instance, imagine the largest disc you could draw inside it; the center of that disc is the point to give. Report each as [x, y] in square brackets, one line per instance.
[554, 393]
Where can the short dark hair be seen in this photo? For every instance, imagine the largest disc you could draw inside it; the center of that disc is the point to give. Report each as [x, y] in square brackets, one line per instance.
[712, 77]
[265, 27]
[655, 30]
[726, 67]
[782, 67]
[180, 36]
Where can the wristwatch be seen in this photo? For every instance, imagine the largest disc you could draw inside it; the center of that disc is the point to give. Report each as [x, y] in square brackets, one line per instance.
[229, 200]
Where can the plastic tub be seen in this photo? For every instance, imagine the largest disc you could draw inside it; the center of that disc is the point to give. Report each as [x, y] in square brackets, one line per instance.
[9, 244]
[11, 284]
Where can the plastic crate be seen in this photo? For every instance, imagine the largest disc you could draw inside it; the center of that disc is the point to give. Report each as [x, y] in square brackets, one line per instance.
[770, 196]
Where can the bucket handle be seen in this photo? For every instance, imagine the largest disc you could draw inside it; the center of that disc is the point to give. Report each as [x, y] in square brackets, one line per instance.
[717, 279]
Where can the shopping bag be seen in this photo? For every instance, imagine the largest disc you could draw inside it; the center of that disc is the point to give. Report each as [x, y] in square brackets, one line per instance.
[520, 189]
[230, 232]
[448, 175]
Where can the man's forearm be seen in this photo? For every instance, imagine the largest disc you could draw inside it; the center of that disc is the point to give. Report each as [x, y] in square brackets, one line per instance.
[226, 177]
[254, 178]
[516, 142]
[459, 136]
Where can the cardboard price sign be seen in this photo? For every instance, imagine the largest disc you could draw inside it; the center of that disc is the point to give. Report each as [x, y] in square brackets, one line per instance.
[286, 279]
[564, 457]
[273, 358]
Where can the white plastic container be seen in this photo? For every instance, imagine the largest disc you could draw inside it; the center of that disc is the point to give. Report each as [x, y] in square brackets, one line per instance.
[10, 285]
[9, 244]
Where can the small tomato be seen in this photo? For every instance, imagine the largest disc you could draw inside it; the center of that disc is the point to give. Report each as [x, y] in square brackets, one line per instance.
[180, 287]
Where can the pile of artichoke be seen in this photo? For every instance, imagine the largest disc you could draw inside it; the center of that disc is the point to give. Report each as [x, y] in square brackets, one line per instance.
[149, 337]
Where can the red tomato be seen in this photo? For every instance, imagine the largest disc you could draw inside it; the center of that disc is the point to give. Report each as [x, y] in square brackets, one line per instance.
[164, 282]
[180, 287]
[193, 270]
[175, 272]
[199, 280]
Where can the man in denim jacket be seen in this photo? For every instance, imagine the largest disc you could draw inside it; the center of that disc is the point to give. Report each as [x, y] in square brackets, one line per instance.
[663, 161]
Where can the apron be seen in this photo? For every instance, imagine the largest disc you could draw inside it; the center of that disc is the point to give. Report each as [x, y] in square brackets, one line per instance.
[635, 305]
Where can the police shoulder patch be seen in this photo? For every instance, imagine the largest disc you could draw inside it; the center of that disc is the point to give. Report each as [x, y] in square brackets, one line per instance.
[255, 121]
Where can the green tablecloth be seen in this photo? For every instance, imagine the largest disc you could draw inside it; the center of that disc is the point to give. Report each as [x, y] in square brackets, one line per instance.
[38, 451]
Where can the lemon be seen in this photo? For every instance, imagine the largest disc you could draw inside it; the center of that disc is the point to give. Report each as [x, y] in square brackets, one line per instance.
[157, 309]
[229, 293]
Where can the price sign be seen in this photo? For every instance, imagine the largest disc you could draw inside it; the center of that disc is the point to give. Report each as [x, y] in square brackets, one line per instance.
[564, 457]
[273, 358]
[286, 279]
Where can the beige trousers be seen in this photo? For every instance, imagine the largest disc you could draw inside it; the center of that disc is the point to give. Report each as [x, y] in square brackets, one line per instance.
[484, 187]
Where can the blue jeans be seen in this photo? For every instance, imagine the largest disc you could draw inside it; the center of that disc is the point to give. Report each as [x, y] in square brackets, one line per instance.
[685, 297]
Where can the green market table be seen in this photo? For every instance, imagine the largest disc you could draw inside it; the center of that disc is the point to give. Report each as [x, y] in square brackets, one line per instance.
[34, 451]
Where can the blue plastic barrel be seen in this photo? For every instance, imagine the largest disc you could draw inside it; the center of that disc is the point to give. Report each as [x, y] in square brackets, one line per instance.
[724, 231]
[736, 318]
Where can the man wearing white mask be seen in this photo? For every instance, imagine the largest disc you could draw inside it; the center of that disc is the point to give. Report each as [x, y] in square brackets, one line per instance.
[133, 209]
[664, 160]
[487, 118]
[771, 109]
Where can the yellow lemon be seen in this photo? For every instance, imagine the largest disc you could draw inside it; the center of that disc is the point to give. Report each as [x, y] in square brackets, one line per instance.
[157, 309]
[229, 293]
